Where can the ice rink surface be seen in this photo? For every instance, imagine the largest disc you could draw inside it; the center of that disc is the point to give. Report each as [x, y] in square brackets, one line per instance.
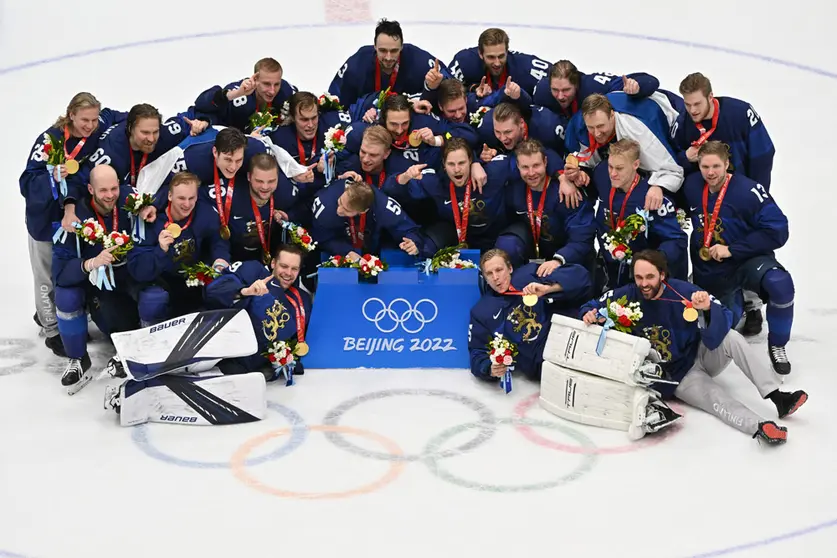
[416, 462]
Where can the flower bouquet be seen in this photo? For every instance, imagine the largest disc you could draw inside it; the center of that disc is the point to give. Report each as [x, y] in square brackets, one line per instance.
[121, 240]
[476, 117]
[54, 153]
[335, 138]
[370, 266]
[90, 231]
[448, 258]
[328, 102]
[338, 261]
[262, 118]
[299, 236]
[617, 241]
[620, 315]
[683, 220]
[198, 275]
[502, 351]
[135, 202]
[280, 354]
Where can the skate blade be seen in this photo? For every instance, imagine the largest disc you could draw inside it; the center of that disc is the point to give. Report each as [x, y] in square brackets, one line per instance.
[85, 379]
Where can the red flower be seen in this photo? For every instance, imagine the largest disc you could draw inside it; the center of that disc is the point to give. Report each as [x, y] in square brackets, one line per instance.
[271, 357]
[508, 351]
[283, 361]
[339, 134]
[306, 239]
[47, 148]
[498, 359]
[620, 224]
[337, 259]
[621, 247]
[625, 321]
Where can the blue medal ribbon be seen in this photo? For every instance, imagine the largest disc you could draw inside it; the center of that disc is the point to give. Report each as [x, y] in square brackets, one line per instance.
[51, 172]
[647, 217]
[506, 380]
[603, 335]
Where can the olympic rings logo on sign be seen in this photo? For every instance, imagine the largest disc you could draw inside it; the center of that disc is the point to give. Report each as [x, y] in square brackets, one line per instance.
[387, 318]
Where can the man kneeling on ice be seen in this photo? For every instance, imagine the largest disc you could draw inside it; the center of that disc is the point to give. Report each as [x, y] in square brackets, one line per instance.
[211, 367]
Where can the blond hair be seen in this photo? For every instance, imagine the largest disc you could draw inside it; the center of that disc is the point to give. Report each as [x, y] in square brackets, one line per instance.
[495, 253]
[594, 103]
[714, 147]
[360, 195]
[79, 102]
[625, 147]
[379, 135]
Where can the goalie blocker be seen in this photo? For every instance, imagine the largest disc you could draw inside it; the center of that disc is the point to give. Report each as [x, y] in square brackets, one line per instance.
[609, 391]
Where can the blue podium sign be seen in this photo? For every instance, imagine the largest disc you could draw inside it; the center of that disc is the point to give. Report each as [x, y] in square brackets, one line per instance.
[407, 320]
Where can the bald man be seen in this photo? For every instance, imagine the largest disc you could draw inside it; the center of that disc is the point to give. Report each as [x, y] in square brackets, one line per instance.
[90, 279]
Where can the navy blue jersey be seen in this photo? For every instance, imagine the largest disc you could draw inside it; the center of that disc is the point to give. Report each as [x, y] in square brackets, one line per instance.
[601, 83]
[245, 243]
[565, 232]
[237, 113]
[42, 208]
[274, 318]
[526, 327]
[740, 127]
[357, 77]
[542, 125]
[676, 340]
[524, 69]
[333, 232]
[750, 224]
[115, 149]
[148, 262]
[664, 232]
[69, 254]
[487, 213]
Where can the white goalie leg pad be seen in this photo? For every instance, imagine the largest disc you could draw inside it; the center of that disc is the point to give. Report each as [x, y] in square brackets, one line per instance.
[572, 343]
[589, 399]
[188, 344]
[208, 399]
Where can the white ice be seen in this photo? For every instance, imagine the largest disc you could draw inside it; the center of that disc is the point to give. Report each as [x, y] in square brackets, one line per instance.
[75, 484]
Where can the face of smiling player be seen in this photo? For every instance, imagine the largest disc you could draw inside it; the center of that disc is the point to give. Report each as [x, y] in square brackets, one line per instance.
[263, 184]
[145, 134]
[229, 163]
[388, 50]
[494, 57]
[458, 167]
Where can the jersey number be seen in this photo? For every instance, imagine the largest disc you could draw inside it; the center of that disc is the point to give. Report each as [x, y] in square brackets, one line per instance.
[539, 68]
[603, 78]
[317, 208]
[754, 118]
[393, 206]
[239, 101]
[99, 157]
[760, 192]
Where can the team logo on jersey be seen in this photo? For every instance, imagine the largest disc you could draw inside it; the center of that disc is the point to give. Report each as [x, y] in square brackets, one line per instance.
[277, 317]
[660, 340]
[184, 251]
[525, 319]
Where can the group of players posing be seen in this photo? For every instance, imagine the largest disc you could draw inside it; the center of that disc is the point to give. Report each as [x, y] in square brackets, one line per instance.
[528, 161]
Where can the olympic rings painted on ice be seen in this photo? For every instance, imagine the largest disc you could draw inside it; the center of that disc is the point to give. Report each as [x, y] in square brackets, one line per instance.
[588, 458]
[388, 313]
[525, 405]
[298, 435]
[238, 463]
[487, 422]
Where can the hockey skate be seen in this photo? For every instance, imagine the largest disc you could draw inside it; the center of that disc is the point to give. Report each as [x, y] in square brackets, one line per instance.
[771, 433]
[77, 374]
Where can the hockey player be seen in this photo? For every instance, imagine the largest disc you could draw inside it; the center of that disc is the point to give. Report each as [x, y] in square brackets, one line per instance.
[691, 331]
[604, 119]
[46, 207]
[737, 228]
[503, 310]
[129, 146]
[546, 229]
[737, 124]
[350, 218]
[256, 211]
[305, 138]
[467, 214]
[279, 309]
[176, 239]
[725, 119]
[565, 88]
[88, 278]
[501, 127]
[621, 192]
[235, 104]
[389, 64]
[491, 63]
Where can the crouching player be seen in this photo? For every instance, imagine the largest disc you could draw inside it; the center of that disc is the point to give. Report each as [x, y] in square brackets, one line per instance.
[692, 333]
[278, 309]
[518, 307]
[86, 277]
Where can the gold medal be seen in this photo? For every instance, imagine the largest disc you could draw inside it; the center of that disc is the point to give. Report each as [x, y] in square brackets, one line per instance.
[71, 165]
[301, 349]
[415, 139]
[225, 232]
[174, 230]
[571, 161]
[530, 299]
[690, 314]
[704, 254]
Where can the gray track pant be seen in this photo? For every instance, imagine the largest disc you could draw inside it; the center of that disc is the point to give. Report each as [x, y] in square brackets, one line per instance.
[699, 389]
[40, 258]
